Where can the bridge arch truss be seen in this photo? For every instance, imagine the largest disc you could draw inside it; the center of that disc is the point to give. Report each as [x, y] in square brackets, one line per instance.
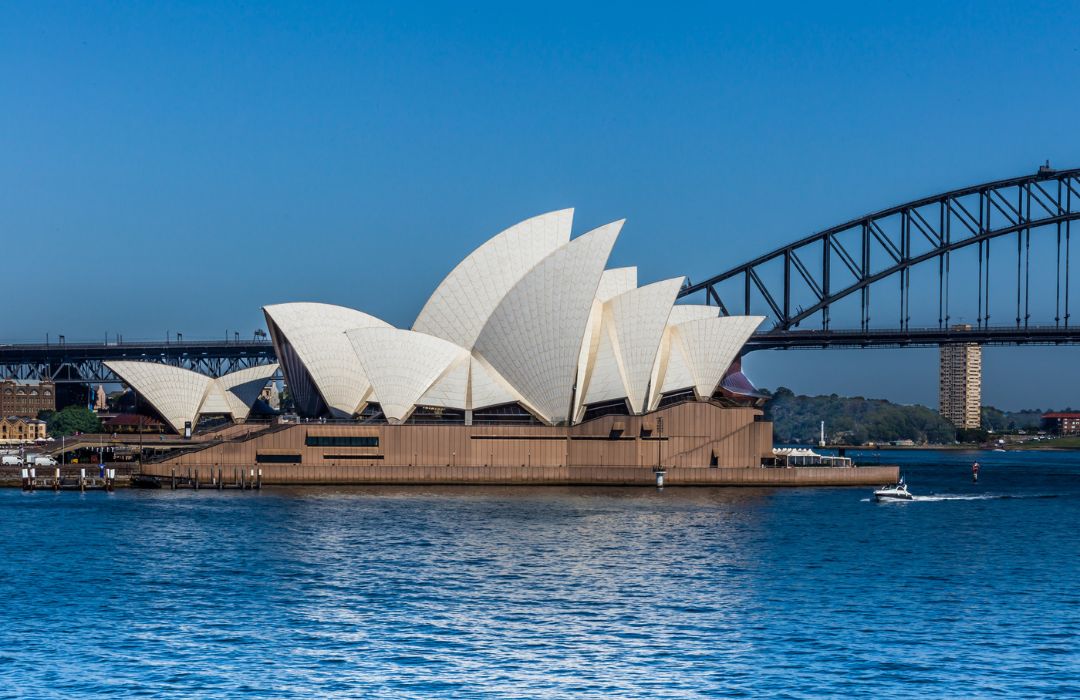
[806, 279]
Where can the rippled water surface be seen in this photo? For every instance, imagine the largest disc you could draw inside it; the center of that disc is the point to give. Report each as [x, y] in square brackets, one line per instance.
[512, 592]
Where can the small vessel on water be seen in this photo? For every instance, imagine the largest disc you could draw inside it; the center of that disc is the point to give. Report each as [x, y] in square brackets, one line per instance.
[896, 492]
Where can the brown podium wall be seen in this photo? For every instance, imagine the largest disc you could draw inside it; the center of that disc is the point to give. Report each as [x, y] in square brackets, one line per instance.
[694, 434]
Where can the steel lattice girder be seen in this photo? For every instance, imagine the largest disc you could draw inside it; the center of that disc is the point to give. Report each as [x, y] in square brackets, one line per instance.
[84, 362]
[947, 222]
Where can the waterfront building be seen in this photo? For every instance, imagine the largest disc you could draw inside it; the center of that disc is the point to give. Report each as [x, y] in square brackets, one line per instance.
[16, 429]
[125, 423]
[1061, 423]
[26, 399]
[530, 353]
[960, 383]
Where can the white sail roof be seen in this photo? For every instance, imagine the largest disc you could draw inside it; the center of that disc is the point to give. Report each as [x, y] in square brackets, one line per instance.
[710, 345]
[533, 337]
[670, 369]
[612, 282]
[175, 393]
[451, 390]
[242, 388]
[488, 388]
[638, 320]
[316, 332]
[215, 401]
[402, 365]
[603, 380]
[463, 302]
[615, 281]
[180, 395]
[632, 330]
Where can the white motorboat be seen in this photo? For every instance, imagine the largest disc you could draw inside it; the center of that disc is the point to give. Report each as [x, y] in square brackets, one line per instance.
[896, 492]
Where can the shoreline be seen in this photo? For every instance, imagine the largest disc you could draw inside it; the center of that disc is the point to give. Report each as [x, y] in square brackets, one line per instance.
[500, 476]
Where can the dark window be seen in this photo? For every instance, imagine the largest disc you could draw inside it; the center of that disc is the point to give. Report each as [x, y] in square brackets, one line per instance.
[505, 413]
[607, 408]
[676, 397]
[342, 441]
[277, 459]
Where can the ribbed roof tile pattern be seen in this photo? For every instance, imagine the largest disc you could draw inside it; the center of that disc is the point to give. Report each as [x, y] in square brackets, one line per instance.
[612, 282]
[175, 393]
[604, 379]
[216, 402]
[451, 390]
[487, 387]
[638, 320]
[401, 365]
[180, 395]
[242, 388]
[670, 370]
[616, 281]
[710, 346]
[533, 338]
[316, 333]
[676, 373]
[463, 302]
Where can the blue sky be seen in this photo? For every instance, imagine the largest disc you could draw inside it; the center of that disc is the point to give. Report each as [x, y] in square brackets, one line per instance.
[175, 166]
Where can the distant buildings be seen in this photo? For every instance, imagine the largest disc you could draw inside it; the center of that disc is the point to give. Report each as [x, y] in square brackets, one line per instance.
[15, 430]
[26, 399]
[101, 402]
[960, 395]
[1061, 423]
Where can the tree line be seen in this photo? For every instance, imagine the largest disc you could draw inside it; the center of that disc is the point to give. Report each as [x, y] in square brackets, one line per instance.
[857, 420]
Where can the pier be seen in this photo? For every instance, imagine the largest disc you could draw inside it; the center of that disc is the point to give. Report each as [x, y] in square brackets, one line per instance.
[57, 479]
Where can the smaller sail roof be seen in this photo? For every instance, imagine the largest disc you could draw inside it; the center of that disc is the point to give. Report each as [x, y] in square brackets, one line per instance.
[315, 332]
[175, 393]
[710, 345]
[181, 396]
[638, 319]
[670, 369]
[402, 365]
[242, 388]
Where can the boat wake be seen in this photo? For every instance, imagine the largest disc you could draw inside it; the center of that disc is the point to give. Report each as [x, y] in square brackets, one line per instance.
[962, 497]
[972, 497]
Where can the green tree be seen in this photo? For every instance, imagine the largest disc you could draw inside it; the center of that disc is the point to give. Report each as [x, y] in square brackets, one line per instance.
[73, 419]
[855, 420]
[994, 419]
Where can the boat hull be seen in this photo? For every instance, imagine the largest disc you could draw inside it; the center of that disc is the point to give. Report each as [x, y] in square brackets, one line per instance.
[887, 497]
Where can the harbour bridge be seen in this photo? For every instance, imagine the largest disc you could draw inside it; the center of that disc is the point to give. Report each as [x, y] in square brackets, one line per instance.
[860, 272]
[945, 240]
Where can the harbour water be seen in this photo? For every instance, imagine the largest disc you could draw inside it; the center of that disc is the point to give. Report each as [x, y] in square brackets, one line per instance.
[969, 591]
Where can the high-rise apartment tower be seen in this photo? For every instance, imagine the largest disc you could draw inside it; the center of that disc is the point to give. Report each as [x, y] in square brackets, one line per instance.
[960, 394]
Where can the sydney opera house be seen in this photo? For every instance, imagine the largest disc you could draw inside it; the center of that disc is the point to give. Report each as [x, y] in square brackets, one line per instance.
[530, 354]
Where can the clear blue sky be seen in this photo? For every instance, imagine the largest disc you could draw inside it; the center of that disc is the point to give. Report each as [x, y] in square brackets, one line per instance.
[175, 166]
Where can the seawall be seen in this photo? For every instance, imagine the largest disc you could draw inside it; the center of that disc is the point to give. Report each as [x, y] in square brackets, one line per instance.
[548, 476]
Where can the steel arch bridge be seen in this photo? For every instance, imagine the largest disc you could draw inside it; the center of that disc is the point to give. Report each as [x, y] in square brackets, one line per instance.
[797, 285]
[81, 363]
[801, 283]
